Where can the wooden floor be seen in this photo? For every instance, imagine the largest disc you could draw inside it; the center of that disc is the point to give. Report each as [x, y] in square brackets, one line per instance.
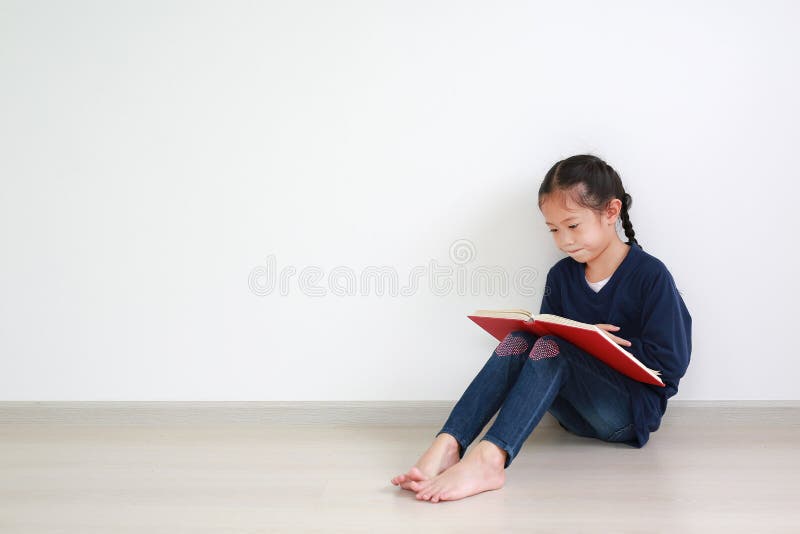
[705, 470]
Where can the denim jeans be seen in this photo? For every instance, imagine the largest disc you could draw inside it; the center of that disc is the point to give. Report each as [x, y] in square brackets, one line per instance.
[530, 375]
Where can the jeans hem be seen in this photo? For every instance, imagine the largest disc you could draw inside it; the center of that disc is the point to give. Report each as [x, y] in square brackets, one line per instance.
[461, 441]
[503, 445]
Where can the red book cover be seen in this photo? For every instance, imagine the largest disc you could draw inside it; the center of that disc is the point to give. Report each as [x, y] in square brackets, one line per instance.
[590, 338]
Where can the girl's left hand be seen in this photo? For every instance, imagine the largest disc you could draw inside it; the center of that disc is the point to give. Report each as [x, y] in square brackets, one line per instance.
[610, 327]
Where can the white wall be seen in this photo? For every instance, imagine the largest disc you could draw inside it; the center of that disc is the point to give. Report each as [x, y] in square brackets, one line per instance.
[156, 154]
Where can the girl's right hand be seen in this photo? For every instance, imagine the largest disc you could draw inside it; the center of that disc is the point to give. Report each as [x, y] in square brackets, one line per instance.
[611, 327]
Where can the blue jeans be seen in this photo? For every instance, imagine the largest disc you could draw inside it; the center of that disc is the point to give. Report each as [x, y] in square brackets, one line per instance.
[530, 375]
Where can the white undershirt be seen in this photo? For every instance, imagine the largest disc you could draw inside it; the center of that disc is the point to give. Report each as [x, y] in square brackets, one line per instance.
[597, 286]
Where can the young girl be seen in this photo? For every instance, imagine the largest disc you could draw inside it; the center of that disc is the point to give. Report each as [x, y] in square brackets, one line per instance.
[604, 281]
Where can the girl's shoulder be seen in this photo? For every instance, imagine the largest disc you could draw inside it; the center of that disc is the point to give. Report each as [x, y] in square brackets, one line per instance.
[652, 272]
[650, 263]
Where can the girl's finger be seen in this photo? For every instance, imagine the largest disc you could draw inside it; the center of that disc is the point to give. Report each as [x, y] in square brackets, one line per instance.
[621, 341]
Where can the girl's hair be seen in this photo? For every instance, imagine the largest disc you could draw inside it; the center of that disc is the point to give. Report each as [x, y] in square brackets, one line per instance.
[591, 183]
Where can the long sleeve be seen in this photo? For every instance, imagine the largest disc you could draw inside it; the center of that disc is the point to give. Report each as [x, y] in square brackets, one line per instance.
[665, 343]
[551, 297]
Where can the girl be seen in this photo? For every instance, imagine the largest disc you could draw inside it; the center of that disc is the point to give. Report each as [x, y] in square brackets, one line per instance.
[604, 281]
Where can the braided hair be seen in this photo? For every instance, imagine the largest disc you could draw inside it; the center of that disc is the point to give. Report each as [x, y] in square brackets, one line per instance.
[592, 183]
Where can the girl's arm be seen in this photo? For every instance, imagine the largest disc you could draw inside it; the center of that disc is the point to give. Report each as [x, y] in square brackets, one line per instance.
[666, 340]
[551, 298]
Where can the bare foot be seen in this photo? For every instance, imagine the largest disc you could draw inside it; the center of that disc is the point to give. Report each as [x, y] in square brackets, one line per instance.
[482, 469]
[442, 454]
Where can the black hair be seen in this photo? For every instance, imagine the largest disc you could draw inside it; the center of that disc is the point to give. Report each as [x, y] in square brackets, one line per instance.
[591, 183]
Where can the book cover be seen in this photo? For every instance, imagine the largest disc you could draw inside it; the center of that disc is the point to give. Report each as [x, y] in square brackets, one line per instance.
[588, 337]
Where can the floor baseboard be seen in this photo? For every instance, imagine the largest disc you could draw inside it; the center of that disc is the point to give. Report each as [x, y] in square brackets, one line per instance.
[394, 413]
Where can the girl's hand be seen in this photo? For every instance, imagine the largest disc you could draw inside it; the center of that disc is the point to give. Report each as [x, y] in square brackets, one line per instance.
[611, 327]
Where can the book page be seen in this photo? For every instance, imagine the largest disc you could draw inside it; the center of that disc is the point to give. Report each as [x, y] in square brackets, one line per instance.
[545, 318]
[506, 314]
[549, 318]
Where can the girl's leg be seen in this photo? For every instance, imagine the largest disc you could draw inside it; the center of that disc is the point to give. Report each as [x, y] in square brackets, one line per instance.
[488, 389]
[570, 418]
[584, 394]
[596, 402]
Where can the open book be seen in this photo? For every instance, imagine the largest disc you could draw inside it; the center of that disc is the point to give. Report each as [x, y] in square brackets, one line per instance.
[588, 337]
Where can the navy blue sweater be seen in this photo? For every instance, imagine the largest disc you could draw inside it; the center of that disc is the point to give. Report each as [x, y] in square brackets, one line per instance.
[642, 299]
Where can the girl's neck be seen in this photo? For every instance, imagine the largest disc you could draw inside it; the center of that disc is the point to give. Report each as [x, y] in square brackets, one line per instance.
[607, 261]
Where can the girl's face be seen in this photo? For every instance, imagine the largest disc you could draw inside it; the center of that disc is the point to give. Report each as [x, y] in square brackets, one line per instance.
[579, 231]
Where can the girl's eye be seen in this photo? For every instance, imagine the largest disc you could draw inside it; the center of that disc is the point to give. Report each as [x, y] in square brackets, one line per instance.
[570, 226]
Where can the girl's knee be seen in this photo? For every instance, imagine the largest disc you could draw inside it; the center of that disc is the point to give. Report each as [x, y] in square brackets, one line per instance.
[545, 347]
[513, 344]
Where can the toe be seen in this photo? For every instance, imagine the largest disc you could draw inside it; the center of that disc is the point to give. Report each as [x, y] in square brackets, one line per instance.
[428, 493]
[419, 485]
[406, 484]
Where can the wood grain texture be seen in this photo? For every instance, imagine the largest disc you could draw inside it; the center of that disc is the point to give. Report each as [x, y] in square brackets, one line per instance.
[322, 467]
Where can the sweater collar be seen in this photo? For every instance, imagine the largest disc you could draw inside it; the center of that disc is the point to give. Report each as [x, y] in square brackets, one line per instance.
[630, 259]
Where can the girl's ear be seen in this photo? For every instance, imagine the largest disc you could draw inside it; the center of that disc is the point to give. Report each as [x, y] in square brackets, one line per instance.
[613, 210]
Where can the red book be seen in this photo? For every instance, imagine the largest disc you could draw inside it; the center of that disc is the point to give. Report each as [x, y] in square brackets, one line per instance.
[588, 337]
